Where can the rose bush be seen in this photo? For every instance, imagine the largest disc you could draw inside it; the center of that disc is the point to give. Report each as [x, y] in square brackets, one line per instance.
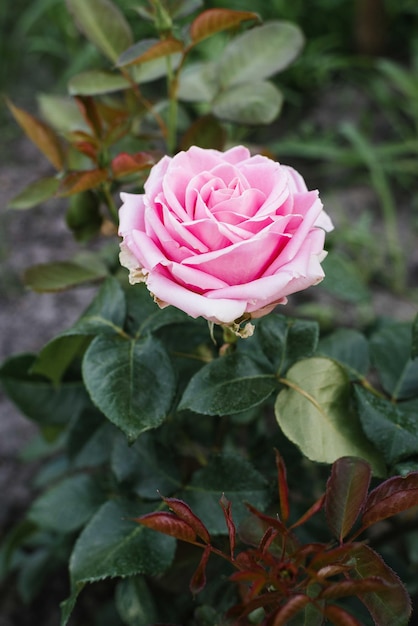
[223, 235]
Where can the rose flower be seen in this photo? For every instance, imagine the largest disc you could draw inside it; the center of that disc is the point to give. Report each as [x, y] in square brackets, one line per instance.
[223, 235]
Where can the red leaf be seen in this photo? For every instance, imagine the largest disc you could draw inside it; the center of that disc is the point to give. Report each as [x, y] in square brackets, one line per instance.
[390, 607]
[290, 609]
[395, 495]
[283, 488]
[124, 163]
[335, 556]
[75, 182]
[90, 113]
[86, 148]
[198, 580]
[226, 508]
[339, 617]
[42, 135]
[184, 512]
[346, 494]
[215, 20]
[353, 588]
[317, 506]
[169, 524]
[149, 50]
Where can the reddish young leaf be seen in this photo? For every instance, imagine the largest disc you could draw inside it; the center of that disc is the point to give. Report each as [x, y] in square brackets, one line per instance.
[270, 521]
[317, 506]
[346, 494]
[198, 580]
[390, 607]
[76, 182]
[42, 135]
[395, 495]
[124, 163]
[289, 610]
[87, 149]
[339, 617]
[215, 20]
[283, 487]
[89, 110]
[226, 508]
[339, 555]
[353, 588]
[149, 50]
[267, 539]
[169, 524]
[184, 512]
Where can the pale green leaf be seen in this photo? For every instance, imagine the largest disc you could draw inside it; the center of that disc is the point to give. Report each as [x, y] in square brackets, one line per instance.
[61, 275]
[249, 103]
[199, 82]
[314, 412]
[35, 193]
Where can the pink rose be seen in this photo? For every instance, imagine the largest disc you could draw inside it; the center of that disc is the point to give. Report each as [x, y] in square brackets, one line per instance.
[220, 235]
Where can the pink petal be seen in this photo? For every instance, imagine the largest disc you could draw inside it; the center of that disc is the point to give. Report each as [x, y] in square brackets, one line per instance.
[131, 213]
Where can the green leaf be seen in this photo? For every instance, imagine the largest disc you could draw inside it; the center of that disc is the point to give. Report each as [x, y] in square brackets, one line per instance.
[113, 545]
[230, 475]
[35, 193]
[414, 347]
[350, 348]
[387, 426]
[205, 132]
[61, 275]
[346, 494]
[260, 52]
[229, 384]
[249, 103]
[199, 82]
[96, 82]
[131, 381]
[62, 113]
[214, 21]
[284, 340]
[150, 468]
[135, 603]
[37, 398]
[390, 607]
[68, 505]
[344, 280]
[314, 412]
[390, 349]
[55, 358]
[103, 24]
[90, 440]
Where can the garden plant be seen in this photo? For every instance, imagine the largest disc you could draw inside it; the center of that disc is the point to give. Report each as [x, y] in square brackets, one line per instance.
[208, 458]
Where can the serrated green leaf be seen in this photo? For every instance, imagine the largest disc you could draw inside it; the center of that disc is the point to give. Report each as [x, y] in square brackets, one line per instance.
[131, 381]
[61, 275]
[314, 413]
[233, 476]
[260, 52]
[103, 24]
[350, 348]
[35, 193]
[248, 103]
[68, 505]
[135, 603]
[38, 398]
[388, 427]
[230, 384]
[390, 350]
[113, 545]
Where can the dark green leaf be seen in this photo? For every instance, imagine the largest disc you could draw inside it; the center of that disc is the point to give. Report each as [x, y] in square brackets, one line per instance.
[131, 381]
[229, 384]
[314, 412]
[350, 348]
[414, 348]
[390, 349]
[37, 397]
[55, 358]
[103, 24]
[112, 544]
[205, 132]
[344, 280]
[392, 430]
[248, 103]
[68, 505]
[230, 475]
[35, 193]
[149, 468]
[135, 603]
[90, 440]
[346, 493]
[390, 607]
[61, 275]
